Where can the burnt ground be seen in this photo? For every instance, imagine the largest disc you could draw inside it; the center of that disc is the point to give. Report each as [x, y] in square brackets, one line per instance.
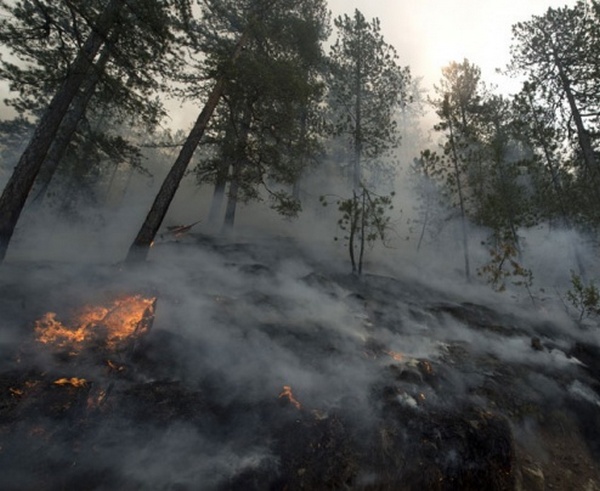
[267, 369]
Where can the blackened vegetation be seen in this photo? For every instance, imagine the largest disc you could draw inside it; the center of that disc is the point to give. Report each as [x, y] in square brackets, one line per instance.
[159, 412]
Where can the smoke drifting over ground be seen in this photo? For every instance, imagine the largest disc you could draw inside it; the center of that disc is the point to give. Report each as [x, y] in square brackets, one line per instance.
[384, 374]
[268, 366]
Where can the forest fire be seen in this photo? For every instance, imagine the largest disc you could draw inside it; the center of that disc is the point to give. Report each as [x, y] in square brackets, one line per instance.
[287, 393]
[73, 382]
[110, 324]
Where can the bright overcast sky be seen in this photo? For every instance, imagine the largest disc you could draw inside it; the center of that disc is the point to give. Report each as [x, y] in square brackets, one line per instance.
[429, 33]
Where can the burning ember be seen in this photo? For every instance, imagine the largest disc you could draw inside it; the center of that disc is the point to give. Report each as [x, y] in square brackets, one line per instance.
[114, 366]
[115, 322]
[73, 381]
[287, 393]
[396, 356]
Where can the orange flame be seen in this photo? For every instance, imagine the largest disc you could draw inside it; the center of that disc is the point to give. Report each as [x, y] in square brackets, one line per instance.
[287, 392]
[120, 319]
[114, 366]
[73, 381]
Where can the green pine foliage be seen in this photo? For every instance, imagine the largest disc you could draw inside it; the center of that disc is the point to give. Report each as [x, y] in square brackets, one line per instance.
[364, 219]
[584, 297]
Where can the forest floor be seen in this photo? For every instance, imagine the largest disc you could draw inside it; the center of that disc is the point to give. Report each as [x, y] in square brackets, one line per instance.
[254, 365]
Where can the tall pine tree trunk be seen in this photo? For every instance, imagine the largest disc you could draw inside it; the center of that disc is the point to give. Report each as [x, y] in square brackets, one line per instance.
[19, 185]
[463, 216]
[239, 160]
[218, 193]
[141, 245]
[232, 198]
[358, 130]
[222, 174]
[296, 188]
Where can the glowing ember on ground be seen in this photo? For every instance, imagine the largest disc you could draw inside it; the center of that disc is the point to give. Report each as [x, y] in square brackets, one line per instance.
[73, 381]
[114, 366]
[114, 322]
[395, 356]
[287, 392]
[15, 392]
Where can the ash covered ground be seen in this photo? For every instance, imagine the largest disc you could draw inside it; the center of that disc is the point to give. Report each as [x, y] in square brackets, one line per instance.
[265, 368]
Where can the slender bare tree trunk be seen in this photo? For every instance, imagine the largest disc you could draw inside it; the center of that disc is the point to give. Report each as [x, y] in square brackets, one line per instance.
[218, 193]
[461, 200]
[239, 161]
[358, 130]
[19, 185]
[362, 230]
[222, 174]
[232, 198]
[353, 230]
[425, 222]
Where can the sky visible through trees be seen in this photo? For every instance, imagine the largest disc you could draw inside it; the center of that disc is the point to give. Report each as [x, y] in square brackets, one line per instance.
[429, 34]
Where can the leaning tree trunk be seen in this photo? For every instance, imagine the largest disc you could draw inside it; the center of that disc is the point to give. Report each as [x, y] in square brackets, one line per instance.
[583, 136]
[141, 245]
[68, 127]
[19, 185]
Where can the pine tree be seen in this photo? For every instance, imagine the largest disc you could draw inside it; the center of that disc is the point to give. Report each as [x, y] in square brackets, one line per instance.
[460, 98]
[367, 87]
[558, 53]
[269, 36]
[18, 187]
[124, 45]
